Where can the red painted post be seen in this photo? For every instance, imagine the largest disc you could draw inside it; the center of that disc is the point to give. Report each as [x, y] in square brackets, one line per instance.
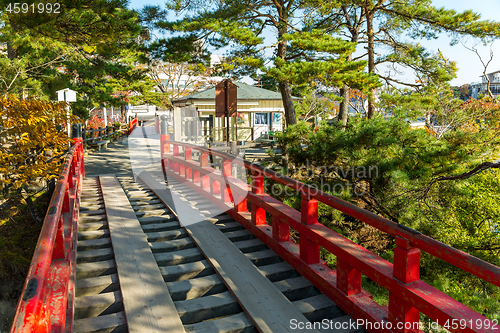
[70, 176]
[226, 172]
[182, 170]
[348, 278]
[241, 204]
[258, 213]
[309, 250]
[58, 251]
[66, 201]
[215, 187]
[205, 180]
[176, 154]
[281, 230]
[204, 160]
[407, 270]
[167, 145]
[188, 156]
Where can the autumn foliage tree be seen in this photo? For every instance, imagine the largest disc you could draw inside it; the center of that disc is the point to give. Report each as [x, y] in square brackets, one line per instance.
[30, 143]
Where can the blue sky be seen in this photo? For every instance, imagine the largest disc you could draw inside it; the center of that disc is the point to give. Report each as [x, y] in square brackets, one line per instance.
[469, 65]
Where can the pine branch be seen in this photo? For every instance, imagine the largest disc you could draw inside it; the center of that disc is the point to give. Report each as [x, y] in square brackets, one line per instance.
[480, 168]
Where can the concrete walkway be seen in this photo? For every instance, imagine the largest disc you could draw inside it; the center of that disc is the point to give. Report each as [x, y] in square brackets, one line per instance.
[133, 154]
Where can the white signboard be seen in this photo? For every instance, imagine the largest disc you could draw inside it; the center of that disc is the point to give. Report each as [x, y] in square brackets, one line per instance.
[70, 95]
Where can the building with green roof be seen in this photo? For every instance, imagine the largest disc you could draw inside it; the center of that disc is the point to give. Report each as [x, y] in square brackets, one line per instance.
[260, 111]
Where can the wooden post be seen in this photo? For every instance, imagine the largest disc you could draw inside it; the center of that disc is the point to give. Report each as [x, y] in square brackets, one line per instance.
[258, 213]
[309, 250]
[226, 172]
[406, 269]
[348, 278]
[281, 230]
[205, 180]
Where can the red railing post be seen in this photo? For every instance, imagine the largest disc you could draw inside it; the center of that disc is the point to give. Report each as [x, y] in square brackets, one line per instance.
[407, 270]
[215, 186]
[281, 230]
[348, 278]
[205, 180]
[176, 154]
[241, 204]
[58, 251]
[258, 213]
[167, 145]
[188, 156]
[309, 250]
[226, 172]
[66, 199]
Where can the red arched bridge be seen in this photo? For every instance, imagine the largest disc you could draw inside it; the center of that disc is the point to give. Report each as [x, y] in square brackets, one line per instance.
[201, 250]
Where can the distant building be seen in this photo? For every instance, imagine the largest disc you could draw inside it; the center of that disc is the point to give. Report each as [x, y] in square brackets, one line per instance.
[477, 88]
[260, 112]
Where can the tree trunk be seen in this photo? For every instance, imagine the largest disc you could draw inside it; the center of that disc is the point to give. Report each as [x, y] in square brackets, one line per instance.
[284, 86]
[371, 60]
[344, 105]
[286, 96]
[124, 114]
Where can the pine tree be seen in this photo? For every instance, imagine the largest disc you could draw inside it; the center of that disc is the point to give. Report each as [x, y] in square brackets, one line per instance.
[300, 56]
[395, 21]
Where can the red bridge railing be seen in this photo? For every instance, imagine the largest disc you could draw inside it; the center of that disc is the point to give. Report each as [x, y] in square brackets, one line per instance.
[46, 304]
[408, 295]
[132, 124]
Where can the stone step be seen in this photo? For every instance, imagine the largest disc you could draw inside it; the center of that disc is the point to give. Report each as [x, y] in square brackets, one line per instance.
[178, 257]
[95, 305]
[319, 307]
[137, 194]
[94, 255]
[114, 322]
[186, 271]
[228, 324]
[93, 244]
[162, 236]
[148, 207]
[96, 285]
[93, 212]
[91, 208]
[94, 269]
[208, 307]
[157, 219]
[89, 202]
[93, 226]
[93, 234]
[145, 203]
[196, 287]
[93, 218]
[172, 245]
[149, 213]
[157, 227]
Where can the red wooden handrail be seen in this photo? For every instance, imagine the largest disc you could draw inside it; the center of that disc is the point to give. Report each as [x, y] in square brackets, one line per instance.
[408, 295]
[47, 301]
[132, 125]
